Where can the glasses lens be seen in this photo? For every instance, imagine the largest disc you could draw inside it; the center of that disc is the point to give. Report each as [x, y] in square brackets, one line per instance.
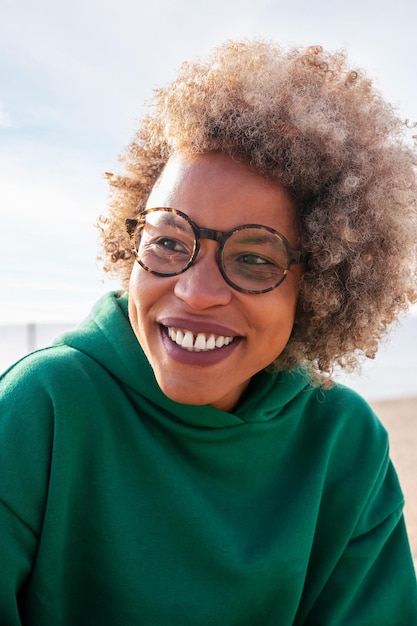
[255, 258]
[164, 241]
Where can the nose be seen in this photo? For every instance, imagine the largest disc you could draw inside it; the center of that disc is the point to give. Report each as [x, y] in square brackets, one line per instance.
[202, 286]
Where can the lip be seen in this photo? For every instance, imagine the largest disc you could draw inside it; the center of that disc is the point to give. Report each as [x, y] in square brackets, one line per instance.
[196, 359]
[198, 326]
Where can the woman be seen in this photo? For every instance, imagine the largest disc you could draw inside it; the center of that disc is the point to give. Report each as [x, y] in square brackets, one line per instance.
[183, 457]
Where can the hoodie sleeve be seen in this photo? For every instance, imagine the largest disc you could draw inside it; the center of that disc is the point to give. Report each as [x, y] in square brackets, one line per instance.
[373, 581]
[25, 442]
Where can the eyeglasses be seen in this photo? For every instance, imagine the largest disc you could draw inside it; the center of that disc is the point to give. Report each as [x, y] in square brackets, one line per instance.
[251, 258]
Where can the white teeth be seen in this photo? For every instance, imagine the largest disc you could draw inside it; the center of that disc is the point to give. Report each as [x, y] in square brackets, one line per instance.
[198, 343]
[188, 340]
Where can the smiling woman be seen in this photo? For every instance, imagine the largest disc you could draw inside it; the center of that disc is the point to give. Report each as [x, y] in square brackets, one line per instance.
[217, 190]
[308, 122]
[195, 463]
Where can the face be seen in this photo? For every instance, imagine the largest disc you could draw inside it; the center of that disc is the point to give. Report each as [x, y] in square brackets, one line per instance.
[240, 333]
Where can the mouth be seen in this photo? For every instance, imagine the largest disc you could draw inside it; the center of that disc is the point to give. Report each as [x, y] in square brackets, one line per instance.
[197, 342]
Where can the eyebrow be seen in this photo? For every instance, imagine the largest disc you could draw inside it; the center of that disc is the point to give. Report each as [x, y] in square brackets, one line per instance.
[260, 239]
[176, 221]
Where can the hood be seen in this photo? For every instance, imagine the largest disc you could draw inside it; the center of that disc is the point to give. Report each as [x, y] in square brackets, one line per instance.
[107, 337]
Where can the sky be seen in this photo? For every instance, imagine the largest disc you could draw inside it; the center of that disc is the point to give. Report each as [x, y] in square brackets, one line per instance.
[74, 77]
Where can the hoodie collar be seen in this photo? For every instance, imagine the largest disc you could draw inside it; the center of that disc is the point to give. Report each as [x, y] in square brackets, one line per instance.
[107, 337]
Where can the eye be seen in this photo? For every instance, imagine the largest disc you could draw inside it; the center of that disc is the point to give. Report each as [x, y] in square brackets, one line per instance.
[253, 259]
[166, 243]
[254, 267]
[165, 248]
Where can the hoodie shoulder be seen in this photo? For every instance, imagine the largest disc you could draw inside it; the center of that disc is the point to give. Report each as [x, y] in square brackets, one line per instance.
[48, 368]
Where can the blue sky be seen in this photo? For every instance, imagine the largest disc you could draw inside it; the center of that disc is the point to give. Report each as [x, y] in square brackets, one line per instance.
[73, 79]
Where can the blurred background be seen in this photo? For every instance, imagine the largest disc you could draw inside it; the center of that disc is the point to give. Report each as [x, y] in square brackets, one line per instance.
[73, 80]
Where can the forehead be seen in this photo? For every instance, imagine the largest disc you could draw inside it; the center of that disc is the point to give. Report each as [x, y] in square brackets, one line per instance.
[213, 189]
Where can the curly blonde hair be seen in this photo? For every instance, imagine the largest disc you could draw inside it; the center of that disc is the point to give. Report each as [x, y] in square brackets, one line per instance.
[307, 121]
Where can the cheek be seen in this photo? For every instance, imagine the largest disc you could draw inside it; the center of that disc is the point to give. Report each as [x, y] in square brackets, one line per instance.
[136, 277]
[290, 292]
[141, 286]
[146, 293]
[137, 298]
[278, 318]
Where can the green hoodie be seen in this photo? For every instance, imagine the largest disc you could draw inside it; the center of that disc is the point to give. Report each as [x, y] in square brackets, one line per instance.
[121, 507]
